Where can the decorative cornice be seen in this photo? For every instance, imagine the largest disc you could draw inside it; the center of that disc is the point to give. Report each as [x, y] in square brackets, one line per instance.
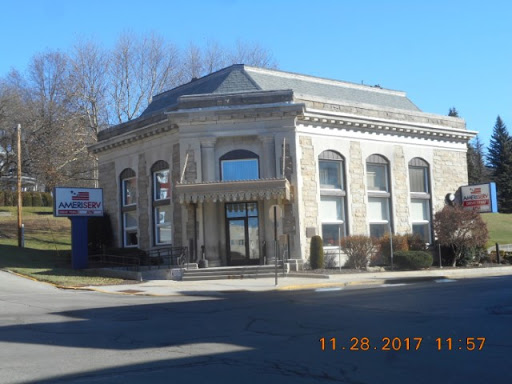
[237, 112]
[132, 136]
[226, 191]
[380, 125]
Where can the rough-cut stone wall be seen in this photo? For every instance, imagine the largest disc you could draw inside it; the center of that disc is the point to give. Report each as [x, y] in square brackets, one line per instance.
[449, 172]
[108, 181]
[177, 215]
[289, 219]
[400, 191]
[309, 188]
[357, 190]
[143, 205]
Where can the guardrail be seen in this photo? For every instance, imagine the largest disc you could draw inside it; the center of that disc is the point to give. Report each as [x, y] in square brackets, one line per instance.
[160, 258]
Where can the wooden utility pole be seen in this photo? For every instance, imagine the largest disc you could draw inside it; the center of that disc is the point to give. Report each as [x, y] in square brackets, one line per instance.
[20, 201]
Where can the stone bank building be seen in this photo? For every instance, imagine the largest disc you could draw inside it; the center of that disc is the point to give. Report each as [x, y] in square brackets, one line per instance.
[206, 163]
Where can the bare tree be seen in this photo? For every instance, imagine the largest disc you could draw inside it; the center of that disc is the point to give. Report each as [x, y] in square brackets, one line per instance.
[193, 63]
[89, 69]
[252, 54]
[139, 68]
[214, 58]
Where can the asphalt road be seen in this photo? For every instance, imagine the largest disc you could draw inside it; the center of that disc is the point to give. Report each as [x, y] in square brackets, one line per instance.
[53, 336]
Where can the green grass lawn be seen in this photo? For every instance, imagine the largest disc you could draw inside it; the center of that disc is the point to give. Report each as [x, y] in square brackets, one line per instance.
[46, 255]
[500, 228]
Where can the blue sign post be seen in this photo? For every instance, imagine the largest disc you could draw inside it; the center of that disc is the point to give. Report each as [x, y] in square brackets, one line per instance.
[79, 239]
[78, 204]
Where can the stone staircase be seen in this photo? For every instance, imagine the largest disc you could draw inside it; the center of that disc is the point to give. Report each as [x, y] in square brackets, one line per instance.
[221, 273]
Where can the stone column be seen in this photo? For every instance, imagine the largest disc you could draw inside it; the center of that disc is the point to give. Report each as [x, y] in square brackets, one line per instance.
[357, 190]
[143, 204]
[400, 191]
[267, 159]
[208, 162]
[211, 220]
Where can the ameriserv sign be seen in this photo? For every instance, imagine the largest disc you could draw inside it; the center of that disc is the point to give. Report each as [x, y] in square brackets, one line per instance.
[480, 197]
[77, 202]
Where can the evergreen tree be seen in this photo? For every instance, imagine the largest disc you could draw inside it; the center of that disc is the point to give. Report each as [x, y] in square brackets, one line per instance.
[477, 171]
[499, 158]
[453, 112]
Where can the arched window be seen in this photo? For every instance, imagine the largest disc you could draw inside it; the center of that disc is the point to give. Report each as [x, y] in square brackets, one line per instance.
[161, 202]
[128, 182]
[239, 164]
[332, 197]
[379, 195]
[419, 188]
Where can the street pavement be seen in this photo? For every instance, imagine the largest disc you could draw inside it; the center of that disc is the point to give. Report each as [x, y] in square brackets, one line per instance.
[297, 281]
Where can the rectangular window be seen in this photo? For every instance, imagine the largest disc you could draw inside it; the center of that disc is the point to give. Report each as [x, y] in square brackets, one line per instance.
[162, 185]
[378, 209]
[330, 175]
[129, 191]
[423, 230]
[331, 208]
[245, 169]
[331, 234]
[378, 230]
[130, 229]
[332, 214]
[377, 177]
[418, 179]
[420, 217]
[163, 221]
[420, 210]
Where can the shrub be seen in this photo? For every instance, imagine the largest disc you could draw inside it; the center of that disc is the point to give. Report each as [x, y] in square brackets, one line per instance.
[37, 201]
[400, 243]
[460, 229]
[359, 250]
[316, 252]
[47, 199]
[9, 198]
[26, 199]
[412, 259]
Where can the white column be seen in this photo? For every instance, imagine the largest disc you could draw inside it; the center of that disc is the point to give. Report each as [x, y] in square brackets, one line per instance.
[267, 158]
[211, 221]
[208, 162]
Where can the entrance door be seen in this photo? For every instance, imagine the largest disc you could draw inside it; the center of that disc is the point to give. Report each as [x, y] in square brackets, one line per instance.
[242, 233]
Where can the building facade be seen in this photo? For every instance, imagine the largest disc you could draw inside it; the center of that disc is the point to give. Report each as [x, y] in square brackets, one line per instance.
[230, 162]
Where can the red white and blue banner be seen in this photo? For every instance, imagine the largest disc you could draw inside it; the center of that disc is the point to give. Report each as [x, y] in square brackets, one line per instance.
[77, 202]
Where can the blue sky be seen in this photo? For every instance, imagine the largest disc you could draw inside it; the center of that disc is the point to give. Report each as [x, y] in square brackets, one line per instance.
[442, 53]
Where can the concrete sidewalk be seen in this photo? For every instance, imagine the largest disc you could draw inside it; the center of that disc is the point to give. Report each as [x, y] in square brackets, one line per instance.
[294, 282]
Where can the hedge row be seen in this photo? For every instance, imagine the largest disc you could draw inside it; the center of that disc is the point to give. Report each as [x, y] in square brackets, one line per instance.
[29, 199]
[412, 259]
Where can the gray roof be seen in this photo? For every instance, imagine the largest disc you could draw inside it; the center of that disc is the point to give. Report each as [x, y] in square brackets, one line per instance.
[242, 78]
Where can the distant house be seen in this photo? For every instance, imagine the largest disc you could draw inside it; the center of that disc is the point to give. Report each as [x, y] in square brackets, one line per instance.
[206, 163]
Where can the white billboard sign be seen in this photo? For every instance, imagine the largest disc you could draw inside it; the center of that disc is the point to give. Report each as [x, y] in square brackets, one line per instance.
[77, 202]
[481, 197]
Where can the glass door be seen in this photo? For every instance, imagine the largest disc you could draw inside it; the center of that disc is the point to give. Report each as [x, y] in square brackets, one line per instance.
[242, 233]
